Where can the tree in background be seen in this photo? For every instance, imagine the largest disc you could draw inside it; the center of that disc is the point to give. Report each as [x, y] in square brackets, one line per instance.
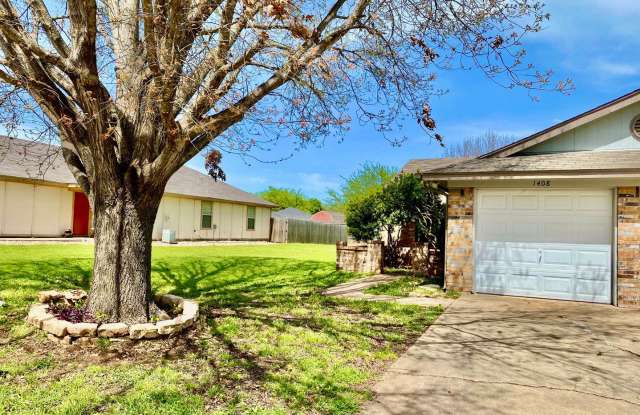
[477, 146]
[405, 200]
[370, 178]
[134, 89]
[286, 198]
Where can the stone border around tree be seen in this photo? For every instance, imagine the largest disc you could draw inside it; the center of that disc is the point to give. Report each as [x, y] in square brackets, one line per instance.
[66, 332]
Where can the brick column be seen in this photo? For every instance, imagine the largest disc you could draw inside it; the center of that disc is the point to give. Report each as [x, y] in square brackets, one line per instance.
[459, 249]
[628, 247]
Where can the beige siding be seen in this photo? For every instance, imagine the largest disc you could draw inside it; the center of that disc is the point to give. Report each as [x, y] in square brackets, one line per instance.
[229, 220]
[18, 215]
[611, 132]
[38, 210]
[2, 203]
[188, 226]
[34, 210]
[224, 221]
[237, 219]
[47, 200]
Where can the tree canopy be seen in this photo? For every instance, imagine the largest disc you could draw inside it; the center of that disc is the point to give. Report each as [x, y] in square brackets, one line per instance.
[368, 179]
[479, 145]
[286, 198]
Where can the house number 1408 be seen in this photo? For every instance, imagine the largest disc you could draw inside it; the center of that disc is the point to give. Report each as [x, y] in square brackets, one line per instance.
[542, 183]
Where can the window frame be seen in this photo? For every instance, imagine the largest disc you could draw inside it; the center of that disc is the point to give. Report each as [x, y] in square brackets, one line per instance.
[249, 218]
[202, 214]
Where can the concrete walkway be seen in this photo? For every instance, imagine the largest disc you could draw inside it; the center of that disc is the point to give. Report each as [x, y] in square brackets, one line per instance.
[505, 355]
[355, 290]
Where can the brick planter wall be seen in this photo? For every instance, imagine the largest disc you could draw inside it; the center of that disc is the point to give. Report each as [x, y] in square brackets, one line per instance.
[459, 249]
[629, 247]
[366, 257]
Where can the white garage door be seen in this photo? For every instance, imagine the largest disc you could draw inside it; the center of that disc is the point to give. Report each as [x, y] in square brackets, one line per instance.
[544, 243]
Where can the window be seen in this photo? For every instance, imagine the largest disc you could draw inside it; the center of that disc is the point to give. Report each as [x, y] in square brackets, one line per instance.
[251, 218]
[206, 211]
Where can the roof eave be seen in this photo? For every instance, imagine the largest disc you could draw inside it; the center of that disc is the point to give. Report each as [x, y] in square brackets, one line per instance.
[215, 199]
[560, 174]
[567, 125]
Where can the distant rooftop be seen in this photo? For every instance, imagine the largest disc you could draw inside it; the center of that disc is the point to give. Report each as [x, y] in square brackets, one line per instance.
[291, 213]
[328, 216]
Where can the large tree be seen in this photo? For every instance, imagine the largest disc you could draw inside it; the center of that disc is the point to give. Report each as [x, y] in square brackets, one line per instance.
[136, 88]
[368, 179]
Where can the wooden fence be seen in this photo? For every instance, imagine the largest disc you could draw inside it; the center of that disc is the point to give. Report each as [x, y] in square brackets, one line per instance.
[306, 231]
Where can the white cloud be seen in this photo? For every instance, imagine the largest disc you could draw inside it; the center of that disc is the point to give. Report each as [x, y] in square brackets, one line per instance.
[607, 68]
[316, 184]
[591, 39]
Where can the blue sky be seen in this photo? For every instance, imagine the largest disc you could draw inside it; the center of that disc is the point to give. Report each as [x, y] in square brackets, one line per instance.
[593, 42]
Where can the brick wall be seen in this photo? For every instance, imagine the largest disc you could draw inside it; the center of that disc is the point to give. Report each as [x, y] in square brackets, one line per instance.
[629, 247]
[367, 257]
[459, 249]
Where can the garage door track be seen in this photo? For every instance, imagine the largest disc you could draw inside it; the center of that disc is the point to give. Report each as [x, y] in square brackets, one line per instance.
[505, 355]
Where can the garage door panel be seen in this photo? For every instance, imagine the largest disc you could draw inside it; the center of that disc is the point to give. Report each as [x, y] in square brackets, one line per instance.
[493, 201]
[557, 231]
[492, 268]
[593, 274]
[599, 259]
[589, 287]
[494, 232]
[524, 202]
[593, 203]
[557, 202]
[556, 285]
[545, 243]
[523, 283]
[493, 253]
[523, 255]
[525, 231]
[492, 282]
[599, 233]
[557, 257]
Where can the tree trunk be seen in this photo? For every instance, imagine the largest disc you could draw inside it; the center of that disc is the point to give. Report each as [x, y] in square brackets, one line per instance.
[121, 285]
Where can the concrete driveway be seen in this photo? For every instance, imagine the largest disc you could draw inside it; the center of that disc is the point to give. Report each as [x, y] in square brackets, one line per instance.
[506, 355]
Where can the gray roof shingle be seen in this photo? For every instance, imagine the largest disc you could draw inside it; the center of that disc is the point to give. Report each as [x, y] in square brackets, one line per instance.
[37, 161]
[613, 161]
[33, 160]
[425, 165]
[291, 213]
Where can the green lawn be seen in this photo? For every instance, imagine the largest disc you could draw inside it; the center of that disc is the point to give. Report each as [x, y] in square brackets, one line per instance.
[267, 341]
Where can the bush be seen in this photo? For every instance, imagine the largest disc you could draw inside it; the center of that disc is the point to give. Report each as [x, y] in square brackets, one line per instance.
[362, 218]
[405, 200]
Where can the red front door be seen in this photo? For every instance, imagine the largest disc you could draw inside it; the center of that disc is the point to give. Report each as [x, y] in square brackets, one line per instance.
[80, 214]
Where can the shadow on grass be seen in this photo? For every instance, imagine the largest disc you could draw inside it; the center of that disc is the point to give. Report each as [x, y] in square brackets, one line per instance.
[236, 282]
[265, 330]
[310, 350]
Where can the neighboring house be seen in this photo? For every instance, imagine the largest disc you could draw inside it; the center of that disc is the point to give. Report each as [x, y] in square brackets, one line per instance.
[291, 213]
[40, 198]
[555, 215]
[327, 216]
